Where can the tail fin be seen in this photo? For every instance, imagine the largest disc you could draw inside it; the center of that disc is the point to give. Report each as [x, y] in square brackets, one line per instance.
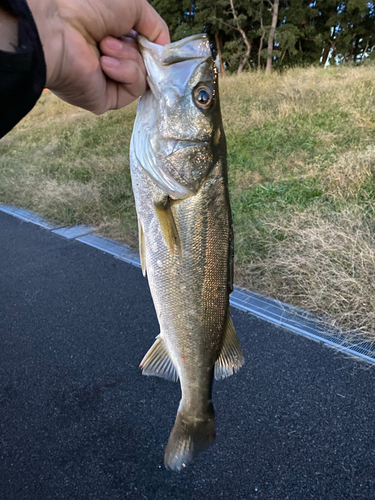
[189, 436]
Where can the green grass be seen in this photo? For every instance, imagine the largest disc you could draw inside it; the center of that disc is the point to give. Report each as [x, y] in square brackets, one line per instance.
[301, 157]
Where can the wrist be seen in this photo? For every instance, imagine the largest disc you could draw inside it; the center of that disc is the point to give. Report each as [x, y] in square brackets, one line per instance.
[47, 20]
[8, 31]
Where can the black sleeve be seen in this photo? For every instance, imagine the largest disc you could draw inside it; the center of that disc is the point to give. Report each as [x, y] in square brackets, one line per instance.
[22, 73]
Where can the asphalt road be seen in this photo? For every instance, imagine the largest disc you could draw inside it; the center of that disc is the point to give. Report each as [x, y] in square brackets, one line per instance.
[78, 420]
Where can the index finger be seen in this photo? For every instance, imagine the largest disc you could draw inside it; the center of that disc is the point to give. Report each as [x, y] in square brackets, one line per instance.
[150, 24]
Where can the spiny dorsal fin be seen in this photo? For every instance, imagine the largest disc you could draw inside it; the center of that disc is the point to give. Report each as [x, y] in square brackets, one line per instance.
[142, 247]
[231, 357]
[158, 363]
[168, 224]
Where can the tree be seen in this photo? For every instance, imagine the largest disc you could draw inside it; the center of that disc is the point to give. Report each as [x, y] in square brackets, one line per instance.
[235, 16]
[274, 8]
[297, 31]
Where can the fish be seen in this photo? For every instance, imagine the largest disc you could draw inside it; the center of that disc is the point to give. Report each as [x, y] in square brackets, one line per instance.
[179, 176]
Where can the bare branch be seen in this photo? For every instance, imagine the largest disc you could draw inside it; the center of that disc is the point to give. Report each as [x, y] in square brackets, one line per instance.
[245, 39]
[226, 24]
[261, 39]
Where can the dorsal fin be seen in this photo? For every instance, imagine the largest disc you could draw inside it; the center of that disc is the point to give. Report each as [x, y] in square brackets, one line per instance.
[231, 357]
[157, 362]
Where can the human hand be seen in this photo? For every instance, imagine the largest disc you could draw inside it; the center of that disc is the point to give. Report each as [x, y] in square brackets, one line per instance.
[89, 61]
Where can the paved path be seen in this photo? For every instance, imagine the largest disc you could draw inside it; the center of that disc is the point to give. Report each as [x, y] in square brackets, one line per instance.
[78, 420]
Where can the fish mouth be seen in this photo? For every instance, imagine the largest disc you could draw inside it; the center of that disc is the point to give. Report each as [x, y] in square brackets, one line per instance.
[192, 47]
[173, 146]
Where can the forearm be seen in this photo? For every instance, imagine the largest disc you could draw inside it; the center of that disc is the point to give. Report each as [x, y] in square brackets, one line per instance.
[46, 18]
[22, 64]
[8, 31]
[46, 14]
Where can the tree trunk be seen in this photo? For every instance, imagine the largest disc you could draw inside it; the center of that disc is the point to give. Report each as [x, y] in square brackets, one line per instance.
[349, 56]
[261, 41]
[355, 52]
[218, 48]
[244, 60]
[325, 55]
[245, 39]
[275, 12]
[365, 51]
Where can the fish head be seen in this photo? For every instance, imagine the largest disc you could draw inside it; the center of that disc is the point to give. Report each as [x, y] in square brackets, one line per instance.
[178, 124]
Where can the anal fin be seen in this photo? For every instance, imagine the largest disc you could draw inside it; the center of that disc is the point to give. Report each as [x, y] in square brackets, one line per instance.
[157, 362]
[231, 357]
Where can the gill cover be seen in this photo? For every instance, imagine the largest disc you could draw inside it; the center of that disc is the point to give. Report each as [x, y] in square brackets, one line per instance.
[169, 70]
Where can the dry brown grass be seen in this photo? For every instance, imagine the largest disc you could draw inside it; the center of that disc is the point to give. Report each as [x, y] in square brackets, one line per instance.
[348, 177]
[321, 261]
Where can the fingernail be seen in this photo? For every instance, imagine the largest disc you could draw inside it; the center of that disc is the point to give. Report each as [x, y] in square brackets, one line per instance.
[110, 62]
[114, 44]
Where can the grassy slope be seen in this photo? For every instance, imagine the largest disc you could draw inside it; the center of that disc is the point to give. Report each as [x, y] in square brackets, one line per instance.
[301, 155]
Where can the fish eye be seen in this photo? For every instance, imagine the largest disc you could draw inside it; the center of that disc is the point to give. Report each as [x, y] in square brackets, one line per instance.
[203, 96]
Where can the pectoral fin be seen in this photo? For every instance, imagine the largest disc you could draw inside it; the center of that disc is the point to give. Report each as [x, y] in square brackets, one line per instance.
[168, 224]
[157, 362]
[231, 357]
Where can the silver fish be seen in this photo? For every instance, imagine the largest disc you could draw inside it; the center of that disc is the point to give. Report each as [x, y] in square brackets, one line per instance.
[179, 177]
